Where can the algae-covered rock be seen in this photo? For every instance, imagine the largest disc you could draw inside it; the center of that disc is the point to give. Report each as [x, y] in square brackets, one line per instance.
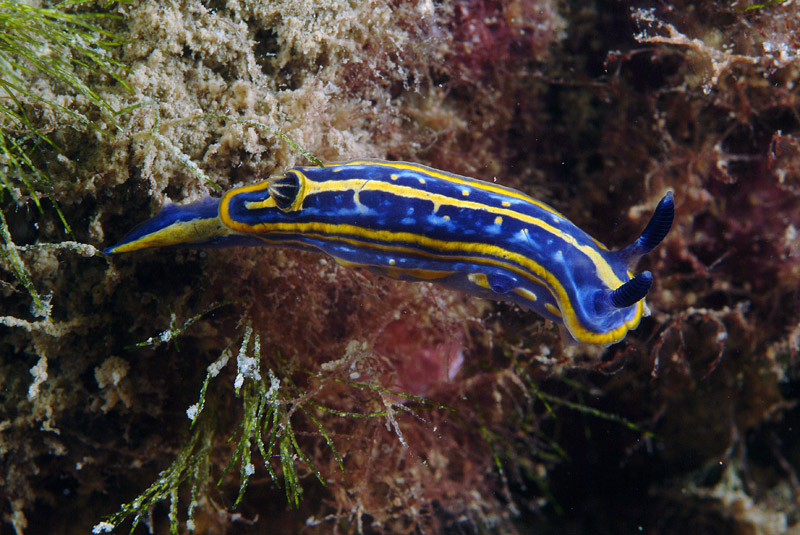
[383, 406]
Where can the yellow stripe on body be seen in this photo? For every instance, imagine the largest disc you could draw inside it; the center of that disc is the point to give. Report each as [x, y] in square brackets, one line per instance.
[455, 179]
[479, 279]
[527, 294]
[357, 185]
[310, 187]
[553, 310]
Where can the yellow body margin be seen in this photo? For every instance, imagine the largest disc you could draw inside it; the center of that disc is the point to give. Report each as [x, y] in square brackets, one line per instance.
[177, 233]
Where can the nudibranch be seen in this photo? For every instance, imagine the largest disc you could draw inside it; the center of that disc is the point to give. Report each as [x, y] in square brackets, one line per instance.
[412, 222]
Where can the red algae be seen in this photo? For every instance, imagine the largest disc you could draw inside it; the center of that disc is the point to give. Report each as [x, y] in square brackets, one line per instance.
[419, 360]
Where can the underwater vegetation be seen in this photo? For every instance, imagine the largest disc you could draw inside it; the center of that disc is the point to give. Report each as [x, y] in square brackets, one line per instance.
[254, 390]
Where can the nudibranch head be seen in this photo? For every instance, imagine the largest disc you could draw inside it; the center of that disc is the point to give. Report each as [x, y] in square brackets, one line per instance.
[606, 310]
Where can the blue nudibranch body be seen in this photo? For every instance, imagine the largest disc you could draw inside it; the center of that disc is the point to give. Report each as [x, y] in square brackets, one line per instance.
[413, 222]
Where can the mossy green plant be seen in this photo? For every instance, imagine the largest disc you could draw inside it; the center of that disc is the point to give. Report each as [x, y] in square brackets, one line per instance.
[266, 423]
[66, 47]
[8, 252]
[191, 466]
[271, 402]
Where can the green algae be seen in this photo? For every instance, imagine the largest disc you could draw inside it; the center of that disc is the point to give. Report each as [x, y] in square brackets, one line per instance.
[66, 48]
[41, 306]
[269, 405]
